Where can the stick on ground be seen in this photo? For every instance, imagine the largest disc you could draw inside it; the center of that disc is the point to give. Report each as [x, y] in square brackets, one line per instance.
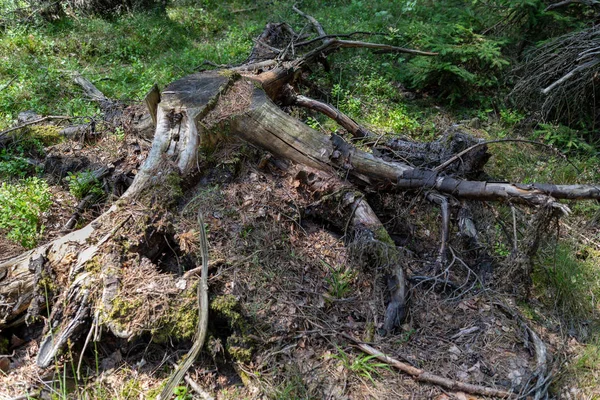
[427, 377]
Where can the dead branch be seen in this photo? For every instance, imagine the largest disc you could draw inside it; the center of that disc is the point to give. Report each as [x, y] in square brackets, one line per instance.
[8, 83]
[442, 201]
[590, 3]
[339, 35]
[333, 45]
[559, 77]
[316, 24]
[345, 122]
[427, 377]
[347, 209]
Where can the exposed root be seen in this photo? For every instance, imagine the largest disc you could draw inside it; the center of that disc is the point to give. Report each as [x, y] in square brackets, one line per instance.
[202, 292]
[540, 379]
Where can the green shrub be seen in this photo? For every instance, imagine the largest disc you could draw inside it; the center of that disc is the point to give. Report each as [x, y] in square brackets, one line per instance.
[467, 62]
[84, 183]
[566, 139]
[22, 205]
[12, 165]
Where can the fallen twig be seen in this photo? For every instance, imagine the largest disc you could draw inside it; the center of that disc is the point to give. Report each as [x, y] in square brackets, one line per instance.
[427, 377]
[340, 35]
[202, 292]
[8, 84]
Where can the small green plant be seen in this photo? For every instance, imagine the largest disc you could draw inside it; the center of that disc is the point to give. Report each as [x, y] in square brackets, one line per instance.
[570, 280]
[119, 133]
[339, 281]
[510, 117]
[22, 206]
[182, 393]
[405, 336]
[362, 365]
[84, 183]
[313, 123]
[13, 165]
[563, 137]
[501, 249]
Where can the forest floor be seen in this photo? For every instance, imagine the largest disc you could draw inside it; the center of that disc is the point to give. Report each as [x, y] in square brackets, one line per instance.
[284, 287]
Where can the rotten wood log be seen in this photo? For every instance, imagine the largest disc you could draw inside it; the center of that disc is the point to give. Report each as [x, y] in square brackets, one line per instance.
[267, 126]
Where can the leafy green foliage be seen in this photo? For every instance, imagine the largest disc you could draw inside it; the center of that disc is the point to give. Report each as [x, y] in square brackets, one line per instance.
[567, 139]
[13, 165]
[362, 365]
[84, 183]
[22, 206]
[339, 281]
[467, 63]
[182, 393]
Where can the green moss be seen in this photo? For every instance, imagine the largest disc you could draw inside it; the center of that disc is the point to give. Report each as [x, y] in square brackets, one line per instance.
[239, 348]
[46, 283]
[383, 236]
[122, 309]
[94, 266]
[46, 134]
[181, 322]
[173, 182]
[230, 74]
[132, 389]
[228, 307]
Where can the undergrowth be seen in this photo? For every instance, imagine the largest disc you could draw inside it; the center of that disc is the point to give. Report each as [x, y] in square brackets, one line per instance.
[569, 278]
[22, 206]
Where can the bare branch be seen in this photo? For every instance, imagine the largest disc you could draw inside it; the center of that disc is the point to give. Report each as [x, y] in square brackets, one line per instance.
[34, 122]
[563, 3]
[316, 24]
[341, 35]
[335, 44]
[89, 89]
[424, 376]
[572, 73]
[345, 121]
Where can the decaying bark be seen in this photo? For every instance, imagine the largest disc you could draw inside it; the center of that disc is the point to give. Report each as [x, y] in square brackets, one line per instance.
[200, 109]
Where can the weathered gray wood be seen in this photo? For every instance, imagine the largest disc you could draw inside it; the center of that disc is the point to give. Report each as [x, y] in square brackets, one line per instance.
[268, 127]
